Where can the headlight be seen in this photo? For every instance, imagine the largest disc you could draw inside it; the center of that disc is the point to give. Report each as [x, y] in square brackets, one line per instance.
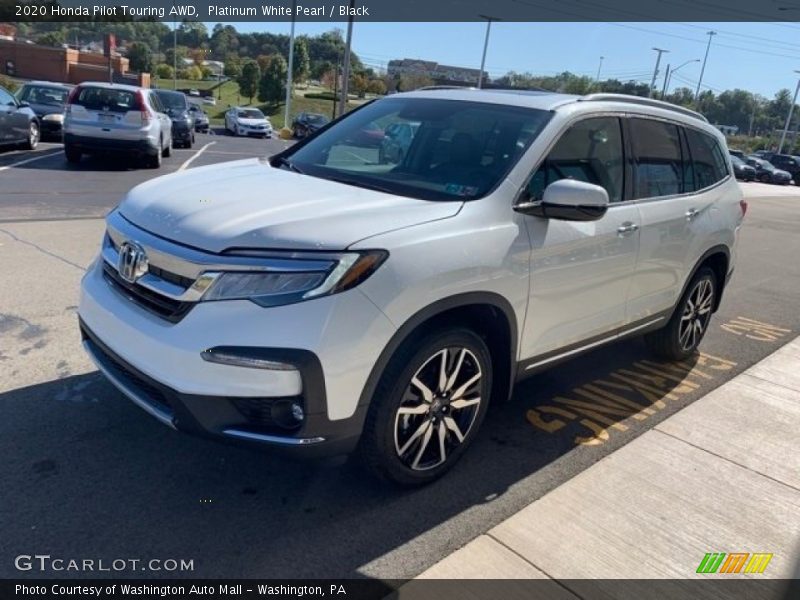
[55, 117]
[275, 288]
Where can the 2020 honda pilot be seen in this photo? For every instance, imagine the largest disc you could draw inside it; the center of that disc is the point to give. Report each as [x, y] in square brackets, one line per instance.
[327, 301]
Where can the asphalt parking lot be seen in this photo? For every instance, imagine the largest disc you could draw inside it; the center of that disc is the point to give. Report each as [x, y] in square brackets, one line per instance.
[88, 475]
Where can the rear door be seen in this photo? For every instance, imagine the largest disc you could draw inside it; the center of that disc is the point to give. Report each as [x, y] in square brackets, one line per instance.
[675, 171]
[106, 113]
[580, 271]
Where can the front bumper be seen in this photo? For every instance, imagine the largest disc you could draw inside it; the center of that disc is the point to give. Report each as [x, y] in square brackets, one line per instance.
[181, 134]
[158, 365]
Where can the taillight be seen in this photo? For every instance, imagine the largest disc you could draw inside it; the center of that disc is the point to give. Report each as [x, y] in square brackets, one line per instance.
[743, 206]
[146, 117]
[71, 99]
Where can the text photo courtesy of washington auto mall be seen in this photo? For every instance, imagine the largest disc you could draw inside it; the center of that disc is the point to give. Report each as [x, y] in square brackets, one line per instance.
[410, 300]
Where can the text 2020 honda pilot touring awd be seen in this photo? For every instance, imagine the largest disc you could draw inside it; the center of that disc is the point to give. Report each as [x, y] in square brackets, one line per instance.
[328, 301]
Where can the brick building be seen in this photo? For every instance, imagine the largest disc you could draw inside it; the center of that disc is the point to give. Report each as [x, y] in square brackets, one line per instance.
[66, 65]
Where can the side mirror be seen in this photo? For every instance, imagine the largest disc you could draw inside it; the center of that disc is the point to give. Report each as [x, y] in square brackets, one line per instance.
[22, 104]
[568, 200]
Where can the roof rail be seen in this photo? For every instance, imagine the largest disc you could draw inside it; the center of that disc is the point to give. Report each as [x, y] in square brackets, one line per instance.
[445, 87]
[601, 97]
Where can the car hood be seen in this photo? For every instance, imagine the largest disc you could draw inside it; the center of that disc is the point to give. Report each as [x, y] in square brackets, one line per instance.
[250, 204]
[251, 122]
[46, 109]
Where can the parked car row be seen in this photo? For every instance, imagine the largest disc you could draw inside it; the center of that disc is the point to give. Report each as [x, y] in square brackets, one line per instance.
[766, 167]
[95, 117]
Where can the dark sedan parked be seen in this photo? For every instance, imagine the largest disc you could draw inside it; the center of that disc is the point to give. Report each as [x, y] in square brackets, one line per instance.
[47, 100]
[742, 170]
[306, 123]
[767, 173]
[177, 108]
[788, 163]
[200, 118]
[18, 123]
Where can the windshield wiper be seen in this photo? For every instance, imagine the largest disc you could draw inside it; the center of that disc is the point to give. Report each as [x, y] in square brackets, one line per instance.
[361, 184]
[282, 161]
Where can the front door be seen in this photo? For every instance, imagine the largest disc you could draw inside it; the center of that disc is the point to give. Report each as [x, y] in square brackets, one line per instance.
[580, 271]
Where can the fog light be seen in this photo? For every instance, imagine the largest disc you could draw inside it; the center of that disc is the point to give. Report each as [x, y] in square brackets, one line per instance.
[287, 414]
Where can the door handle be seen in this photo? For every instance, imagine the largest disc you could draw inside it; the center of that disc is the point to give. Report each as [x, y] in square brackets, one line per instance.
[691, 214]
[626, 228]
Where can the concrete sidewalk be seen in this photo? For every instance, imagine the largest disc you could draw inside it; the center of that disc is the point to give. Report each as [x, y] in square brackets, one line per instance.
[722, 475]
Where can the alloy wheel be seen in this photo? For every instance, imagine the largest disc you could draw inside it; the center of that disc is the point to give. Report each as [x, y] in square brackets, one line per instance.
[439, 407]
[696, 315]
[33, 135]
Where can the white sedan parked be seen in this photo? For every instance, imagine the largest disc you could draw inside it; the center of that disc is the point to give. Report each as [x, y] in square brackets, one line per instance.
[247, 122]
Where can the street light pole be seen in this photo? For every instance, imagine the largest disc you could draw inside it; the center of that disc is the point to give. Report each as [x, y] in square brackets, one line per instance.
[288, 103]
[655, 71]
[599, 67]
[789, 117]
[711, 35]
[666, 81]
[485, 48]
[671, 73]
[346, 66]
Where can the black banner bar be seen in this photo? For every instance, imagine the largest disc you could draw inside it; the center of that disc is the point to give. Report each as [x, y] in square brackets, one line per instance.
[401, 10]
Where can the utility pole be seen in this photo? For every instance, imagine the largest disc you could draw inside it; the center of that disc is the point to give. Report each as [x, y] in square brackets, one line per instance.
[485, 48]
[789, 117]
[752, 117]
[655, 71]
[346, 68]
[666, 81]
[599, 67]
[174, 53]
[288, 103]
[711, 35]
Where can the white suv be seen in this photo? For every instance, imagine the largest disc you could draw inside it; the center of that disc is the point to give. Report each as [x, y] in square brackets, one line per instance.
[327, 301]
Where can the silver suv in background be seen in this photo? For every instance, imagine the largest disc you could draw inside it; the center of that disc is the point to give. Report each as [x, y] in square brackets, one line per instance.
[324, 301]
[112, 118]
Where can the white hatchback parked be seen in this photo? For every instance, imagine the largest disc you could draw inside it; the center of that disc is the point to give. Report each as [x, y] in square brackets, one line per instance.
[327, 301]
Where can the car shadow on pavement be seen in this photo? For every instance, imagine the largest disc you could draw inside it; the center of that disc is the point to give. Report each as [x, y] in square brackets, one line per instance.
[89, 475]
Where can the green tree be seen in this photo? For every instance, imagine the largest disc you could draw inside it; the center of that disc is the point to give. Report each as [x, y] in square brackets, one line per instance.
[376, 86]
[53, 38]
[233, 66]
[272, 86]
[165, 71]
[140, 57]
[249, 79]
[179, 53]
[301, 65]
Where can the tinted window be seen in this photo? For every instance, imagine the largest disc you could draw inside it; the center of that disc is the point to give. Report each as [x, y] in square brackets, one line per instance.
[433, 149]
[106, 99]
[708, 162]
[589, 151]
[40, 94]
[171, 100]
[657, 161]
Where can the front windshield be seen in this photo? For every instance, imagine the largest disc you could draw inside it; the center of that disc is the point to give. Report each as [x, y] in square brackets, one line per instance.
[38, 94]
[172, 101]
[423, 148]
[250, 113]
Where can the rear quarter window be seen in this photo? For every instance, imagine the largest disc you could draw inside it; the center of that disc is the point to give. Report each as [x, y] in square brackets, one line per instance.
[708, 160]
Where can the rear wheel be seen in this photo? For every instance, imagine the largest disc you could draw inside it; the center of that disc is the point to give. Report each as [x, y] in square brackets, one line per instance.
[167, 151]
[33, 136]
[154, 160]
[765, 178]
[680, 338]
[428, 407]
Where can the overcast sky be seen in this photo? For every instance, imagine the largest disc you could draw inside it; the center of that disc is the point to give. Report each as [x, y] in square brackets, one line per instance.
[759, 57]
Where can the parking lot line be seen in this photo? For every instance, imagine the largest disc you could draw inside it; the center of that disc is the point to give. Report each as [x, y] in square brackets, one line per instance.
[189, 161]
[27, 160]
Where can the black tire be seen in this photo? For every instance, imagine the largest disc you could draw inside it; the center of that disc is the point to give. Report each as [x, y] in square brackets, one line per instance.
[73, 154]
[672, 342]
[408, 450]
[765, 178]
[167, 151]
[153, 161]
[34, 135]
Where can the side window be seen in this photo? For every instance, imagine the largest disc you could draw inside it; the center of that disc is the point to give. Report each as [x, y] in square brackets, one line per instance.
[590, 151]
[707, 159]
[6, 98]
[155, 101]
[657, 160]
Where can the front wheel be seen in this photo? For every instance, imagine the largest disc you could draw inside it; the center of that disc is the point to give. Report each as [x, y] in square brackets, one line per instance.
[73, 154]
[428, 407]
[680, 338]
